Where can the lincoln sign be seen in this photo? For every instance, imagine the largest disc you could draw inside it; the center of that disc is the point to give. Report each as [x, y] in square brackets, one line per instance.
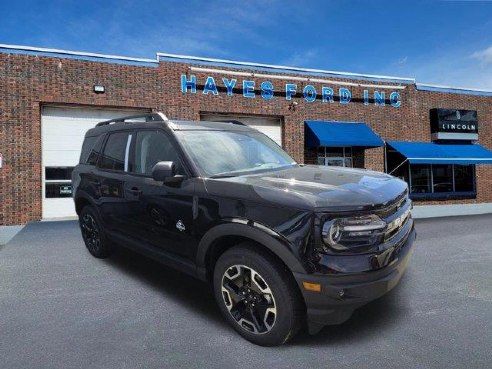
[267, 90]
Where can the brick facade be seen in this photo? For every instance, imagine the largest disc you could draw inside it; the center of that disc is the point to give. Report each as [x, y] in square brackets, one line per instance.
[31, 81]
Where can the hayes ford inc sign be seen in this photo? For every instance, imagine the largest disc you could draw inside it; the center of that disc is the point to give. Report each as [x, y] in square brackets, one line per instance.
[267, 90]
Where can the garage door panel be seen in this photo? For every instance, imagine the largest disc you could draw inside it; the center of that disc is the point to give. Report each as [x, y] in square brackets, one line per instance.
[67, 128]
[272, 127]
[61, 158]
[67, 142]
[62, 133]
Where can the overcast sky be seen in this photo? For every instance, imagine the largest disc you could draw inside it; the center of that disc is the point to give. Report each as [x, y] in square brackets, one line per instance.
[438, 42]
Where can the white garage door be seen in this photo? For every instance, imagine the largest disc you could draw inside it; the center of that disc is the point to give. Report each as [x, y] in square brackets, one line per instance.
[272, 127]
[62, 134]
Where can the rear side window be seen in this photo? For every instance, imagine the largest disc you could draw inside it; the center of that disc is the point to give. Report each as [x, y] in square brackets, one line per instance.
[91, 150]
[115, 154]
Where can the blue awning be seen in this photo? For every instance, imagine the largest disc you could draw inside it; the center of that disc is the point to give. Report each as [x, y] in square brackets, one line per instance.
[432, 153]
[339, 134]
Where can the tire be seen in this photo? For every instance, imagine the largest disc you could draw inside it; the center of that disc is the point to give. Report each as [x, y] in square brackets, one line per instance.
[257, 295]
[93, 233]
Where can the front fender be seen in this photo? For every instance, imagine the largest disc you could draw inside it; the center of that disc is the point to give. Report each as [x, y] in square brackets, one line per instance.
[255, 232]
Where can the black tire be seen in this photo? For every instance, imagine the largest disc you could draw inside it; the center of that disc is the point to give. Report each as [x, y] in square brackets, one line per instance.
[283, 312]
[93, 233]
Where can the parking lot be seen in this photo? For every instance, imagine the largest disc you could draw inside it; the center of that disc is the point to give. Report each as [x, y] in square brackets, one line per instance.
[62, 308]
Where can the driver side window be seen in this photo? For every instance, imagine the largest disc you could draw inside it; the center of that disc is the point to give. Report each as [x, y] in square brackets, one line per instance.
[152, 147]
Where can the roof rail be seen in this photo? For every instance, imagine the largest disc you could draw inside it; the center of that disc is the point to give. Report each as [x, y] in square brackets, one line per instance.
[229, 121]
[149, 117]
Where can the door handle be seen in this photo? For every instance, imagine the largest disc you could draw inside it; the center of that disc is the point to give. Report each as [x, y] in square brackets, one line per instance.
[135, 191]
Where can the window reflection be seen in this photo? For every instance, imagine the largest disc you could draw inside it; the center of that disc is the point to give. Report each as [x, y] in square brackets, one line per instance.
[442, 178]
[335, 156]
[421, 179]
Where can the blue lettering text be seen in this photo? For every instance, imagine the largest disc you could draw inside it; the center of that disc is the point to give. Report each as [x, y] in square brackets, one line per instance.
[309, 93]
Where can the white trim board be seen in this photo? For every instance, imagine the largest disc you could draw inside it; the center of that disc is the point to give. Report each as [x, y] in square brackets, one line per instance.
[434, 211]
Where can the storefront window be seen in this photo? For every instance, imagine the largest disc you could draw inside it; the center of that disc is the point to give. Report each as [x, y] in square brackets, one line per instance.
[463, 178]
[432, 181]
[420, 178]
[442, 179]
[335, 156]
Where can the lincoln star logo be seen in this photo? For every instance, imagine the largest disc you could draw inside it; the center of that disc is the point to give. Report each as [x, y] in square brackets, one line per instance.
[180, 226]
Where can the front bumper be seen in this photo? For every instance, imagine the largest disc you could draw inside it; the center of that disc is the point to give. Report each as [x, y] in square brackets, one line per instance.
[344, 291]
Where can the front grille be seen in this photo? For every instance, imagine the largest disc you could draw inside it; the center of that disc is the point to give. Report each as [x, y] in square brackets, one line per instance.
[397, 223]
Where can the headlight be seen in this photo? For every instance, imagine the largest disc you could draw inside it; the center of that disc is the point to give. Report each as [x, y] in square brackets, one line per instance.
[347, 233]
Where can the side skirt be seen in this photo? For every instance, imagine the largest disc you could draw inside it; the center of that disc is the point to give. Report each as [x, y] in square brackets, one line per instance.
[161, 256]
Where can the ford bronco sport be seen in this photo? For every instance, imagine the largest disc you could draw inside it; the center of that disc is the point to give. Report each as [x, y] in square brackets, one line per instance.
[283, 244]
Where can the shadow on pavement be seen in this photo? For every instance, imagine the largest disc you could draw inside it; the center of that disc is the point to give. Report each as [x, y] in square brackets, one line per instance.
[190, 292]
[197, 297]
[367, 321]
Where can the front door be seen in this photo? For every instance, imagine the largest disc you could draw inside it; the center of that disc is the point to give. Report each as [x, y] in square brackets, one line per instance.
[161, 214]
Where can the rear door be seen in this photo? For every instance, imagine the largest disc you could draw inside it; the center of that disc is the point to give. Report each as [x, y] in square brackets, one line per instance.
[109, 179]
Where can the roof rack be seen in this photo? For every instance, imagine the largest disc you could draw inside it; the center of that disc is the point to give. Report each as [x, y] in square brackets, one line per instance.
[148, 117]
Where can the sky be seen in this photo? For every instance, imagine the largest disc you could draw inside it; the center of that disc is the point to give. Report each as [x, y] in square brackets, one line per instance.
[436, 42]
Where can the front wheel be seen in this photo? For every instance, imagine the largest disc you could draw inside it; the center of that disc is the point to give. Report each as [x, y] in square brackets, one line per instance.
[257, 295]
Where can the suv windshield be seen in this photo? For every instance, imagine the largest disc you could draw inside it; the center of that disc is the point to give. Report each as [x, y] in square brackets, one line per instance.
[230, 153]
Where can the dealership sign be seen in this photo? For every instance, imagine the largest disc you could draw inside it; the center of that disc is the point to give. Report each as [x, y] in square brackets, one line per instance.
[267, 90]
[454, 124]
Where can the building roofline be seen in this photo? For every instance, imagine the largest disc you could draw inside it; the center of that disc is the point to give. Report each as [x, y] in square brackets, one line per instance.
[283, 67]
[76, 53]
[452, 89]
[236, 63]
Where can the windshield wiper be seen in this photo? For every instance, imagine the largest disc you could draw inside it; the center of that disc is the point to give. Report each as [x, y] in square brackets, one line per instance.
[222, 176]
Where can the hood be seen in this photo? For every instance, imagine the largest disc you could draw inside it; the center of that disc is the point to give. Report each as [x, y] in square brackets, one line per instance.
[313, 187]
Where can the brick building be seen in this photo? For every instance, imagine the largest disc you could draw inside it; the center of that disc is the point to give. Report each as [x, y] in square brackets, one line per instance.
[49, 98]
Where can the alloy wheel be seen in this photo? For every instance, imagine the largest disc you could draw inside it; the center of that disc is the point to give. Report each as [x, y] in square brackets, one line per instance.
[249, 299]
[90, 232]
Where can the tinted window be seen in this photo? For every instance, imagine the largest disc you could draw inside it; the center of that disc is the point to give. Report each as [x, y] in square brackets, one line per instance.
[91, 150]
[114, 151]
[57, 190]
[152, 147]
[57, 173]
[421, 179]
[464, 176]
[442, 178]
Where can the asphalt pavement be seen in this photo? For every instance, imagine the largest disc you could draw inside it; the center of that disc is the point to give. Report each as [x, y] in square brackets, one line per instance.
[62, 308]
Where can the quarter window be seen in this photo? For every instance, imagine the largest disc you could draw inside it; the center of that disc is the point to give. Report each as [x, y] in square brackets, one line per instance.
[91, 150]
[115, 151]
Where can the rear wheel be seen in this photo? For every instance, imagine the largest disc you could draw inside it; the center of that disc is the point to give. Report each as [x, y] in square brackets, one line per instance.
[257, 295]
[93, 233]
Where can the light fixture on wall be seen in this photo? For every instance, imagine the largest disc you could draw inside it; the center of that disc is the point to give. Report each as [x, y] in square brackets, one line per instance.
[293, 105]
[99, 89]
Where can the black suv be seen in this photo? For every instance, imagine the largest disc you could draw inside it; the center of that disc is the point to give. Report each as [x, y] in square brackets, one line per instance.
[283, 244]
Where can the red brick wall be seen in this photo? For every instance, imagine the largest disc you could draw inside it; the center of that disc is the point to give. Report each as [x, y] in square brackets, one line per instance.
[29, 81]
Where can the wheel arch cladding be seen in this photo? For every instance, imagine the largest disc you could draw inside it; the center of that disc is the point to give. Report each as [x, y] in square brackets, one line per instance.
[220, 238]
[80, 203]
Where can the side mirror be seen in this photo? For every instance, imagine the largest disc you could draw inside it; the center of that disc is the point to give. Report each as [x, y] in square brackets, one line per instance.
[163, 170]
